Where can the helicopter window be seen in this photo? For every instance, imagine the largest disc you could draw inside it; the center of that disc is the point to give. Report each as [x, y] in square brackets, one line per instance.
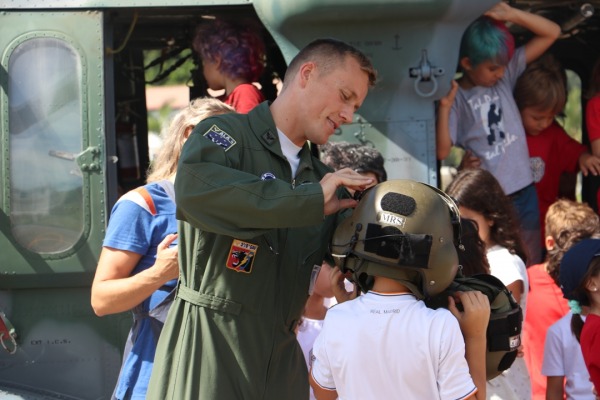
[45, 136]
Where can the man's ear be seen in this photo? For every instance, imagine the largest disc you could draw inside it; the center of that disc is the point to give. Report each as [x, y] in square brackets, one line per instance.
[550, 243]
[465, 64]
[306, 72]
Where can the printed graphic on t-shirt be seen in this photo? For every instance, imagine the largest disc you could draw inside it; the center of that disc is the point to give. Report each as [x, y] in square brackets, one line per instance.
[490, 111]
[241, 256]
[538, 168]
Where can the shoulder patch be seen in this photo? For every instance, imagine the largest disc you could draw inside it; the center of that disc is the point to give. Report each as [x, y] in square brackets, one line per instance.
[220, 137]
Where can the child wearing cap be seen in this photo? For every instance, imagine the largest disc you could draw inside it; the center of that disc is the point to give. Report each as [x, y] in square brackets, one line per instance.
[579, 281]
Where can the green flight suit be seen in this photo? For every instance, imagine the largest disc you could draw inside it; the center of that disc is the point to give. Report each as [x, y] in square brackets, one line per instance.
[230, 331]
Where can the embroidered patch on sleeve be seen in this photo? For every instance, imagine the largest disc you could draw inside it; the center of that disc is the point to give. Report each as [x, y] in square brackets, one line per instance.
[241, 256]
[220, 137]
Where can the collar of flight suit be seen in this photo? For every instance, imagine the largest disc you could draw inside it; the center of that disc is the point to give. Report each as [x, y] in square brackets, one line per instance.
[263, 127]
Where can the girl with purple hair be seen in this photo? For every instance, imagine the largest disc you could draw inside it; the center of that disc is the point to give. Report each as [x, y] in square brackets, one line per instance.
[233, 56]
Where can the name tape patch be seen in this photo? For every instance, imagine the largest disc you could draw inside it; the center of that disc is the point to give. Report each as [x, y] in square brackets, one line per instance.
[391, 219]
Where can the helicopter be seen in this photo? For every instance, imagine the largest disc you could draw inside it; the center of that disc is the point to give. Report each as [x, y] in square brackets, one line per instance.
[74, 135]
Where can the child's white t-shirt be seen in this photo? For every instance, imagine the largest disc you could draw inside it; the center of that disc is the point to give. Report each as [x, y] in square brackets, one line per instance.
[383, 346]
[562, 357]
[514, 383]
[308, 330]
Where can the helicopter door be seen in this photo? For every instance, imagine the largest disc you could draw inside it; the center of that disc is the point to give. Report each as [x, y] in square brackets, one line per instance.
[52, 163]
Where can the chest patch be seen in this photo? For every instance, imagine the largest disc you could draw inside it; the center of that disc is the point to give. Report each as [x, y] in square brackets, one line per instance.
[220, 137]
[267, 176]
[241, 256]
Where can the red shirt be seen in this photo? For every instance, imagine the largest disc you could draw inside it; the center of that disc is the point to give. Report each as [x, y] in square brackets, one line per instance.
[592, 118]
[545, 305]
[592, 122]
[551, 153]
[590, 347]
[244, 98]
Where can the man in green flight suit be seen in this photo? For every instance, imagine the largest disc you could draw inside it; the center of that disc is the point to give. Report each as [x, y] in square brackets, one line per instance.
[257, 213]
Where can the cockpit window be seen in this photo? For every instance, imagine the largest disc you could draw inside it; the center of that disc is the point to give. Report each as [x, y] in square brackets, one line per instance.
[45, 137]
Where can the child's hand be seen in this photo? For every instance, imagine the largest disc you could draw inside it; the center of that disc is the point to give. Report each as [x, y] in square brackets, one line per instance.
[500, 12]
[589, 164]
[520, 352]
[474, 319]
[448, 100]
[338, 287]
[469, 161]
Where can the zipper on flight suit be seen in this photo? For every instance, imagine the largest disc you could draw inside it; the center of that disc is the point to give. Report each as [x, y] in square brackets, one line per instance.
[270, 245]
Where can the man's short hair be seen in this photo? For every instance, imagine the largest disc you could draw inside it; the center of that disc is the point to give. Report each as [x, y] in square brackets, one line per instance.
[328, 53]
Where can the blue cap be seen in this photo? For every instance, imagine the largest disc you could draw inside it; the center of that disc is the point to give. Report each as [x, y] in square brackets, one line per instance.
[574, 266]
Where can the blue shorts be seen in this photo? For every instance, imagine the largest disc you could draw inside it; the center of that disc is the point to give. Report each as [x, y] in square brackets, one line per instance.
[526, 205]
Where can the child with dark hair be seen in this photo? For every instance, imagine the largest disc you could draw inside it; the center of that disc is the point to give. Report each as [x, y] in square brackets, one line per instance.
[580, 282]
[480, 115]
[472, 258]
[363, 159]
[233, 56]
[480, 198]
[541, 95]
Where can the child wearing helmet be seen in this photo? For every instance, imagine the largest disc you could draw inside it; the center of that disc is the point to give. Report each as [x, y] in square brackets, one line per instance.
[580, 282]
[399, 256]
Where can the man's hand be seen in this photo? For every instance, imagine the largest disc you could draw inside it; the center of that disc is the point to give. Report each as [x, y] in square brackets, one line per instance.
[344, 177]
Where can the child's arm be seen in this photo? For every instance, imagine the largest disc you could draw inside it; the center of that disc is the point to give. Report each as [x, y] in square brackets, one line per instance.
[554, 387]
[546, 32]
[443, 142]
[320, 392]
[473, 323]
[469, 160]
[595, 145]
[589, 164]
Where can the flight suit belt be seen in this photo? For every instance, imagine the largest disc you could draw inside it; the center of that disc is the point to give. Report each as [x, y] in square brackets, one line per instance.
[208, 301]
